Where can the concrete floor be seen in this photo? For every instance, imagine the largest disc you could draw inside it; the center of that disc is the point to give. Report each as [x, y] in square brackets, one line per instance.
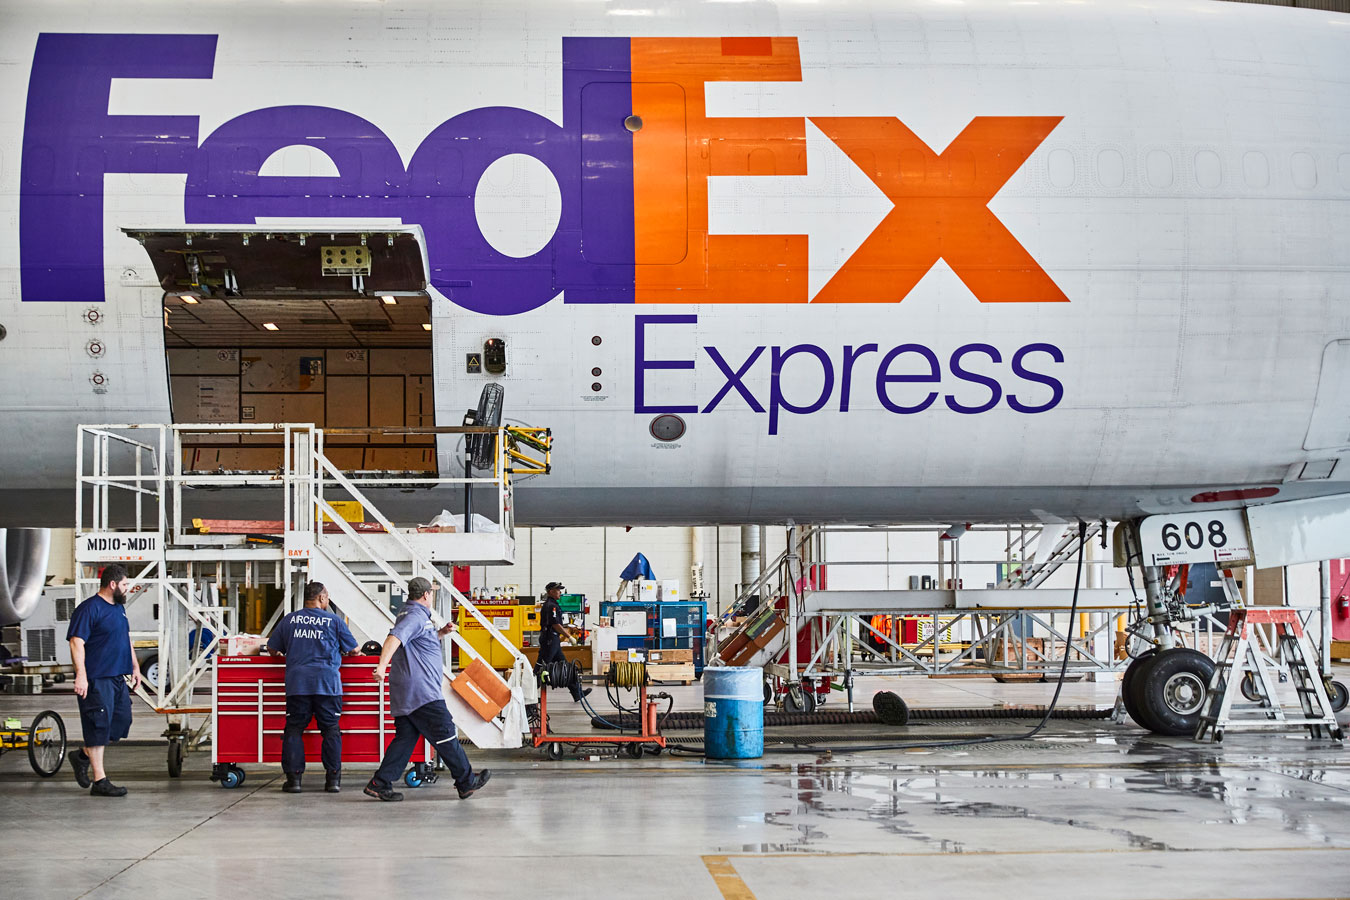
[1087, 808]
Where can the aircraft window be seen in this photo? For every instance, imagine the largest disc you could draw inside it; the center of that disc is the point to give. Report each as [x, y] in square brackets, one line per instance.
[299, 161]
[1111, 168]
[1256, 169]
[1208, 169]
[1061, 168]
[1159, 167]
[1343, 164]
[1305, 171]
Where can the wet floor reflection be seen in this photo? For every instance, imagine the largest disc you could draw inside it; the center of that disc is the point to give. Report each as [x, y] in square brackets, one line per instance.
[1126, 792]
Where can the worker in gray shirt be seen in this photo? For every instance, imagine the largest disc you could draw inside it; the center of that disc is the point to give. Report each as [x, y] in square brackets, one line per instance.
[416, 700]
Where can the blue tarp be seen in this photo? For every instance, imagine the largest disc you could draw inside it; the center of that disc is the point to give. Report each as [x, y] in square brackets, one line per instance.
[638, 568]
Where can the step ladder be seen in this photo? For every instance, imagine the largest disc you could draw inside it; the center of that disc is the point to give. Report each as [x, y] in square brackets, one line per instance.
[1240, 654]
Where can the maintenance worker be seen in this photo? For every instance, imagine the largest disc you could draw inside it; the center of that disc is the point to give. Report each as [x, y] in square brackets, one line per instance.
[415, 698]
[101, 648]
[551, 633]
[313, 640]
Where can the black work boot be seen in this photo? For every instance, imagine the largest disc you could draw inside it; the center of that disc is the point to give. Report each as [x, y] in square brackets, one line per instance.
[292, 785]
[381, 793]
[475, 783]
[79, 764]
[105, 788]
[332, 782]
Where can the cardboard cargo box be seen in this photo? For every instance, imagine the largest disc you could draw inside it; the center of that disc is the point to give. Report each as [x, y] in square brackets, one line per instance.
[670, 656]
[683, 672]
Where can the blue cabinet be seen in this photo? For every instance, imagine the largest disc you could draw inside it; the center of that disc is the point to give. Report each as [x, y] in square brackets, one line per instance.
[689, 618]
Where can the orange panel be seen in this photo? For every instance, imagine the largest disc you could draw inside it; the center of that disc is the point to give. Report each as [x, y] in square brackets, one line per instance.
[677, 149]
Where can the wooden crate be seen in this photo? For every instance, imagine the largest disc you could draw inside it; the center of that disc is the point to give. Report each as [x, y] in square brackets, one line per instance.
[681, 672]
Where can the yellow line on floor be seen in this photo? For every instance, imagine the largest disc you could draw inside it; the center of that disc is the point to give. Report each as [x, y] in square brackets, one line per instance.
[832, 854]
[725, 877]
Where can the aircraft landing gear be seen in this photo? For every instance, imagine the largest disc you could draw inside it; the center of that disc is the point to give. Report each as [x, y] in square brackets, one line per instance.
[1166, 693]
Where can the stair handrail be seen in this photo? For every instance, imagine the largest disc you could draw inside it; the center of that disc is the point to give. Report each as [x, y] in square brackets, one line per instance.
[419, 563]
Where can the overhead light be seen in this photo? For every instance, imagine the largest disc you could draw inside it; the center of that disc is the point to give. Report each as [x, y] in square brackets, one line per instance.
[187, 298]
[389, 300]
[271, 326]
[426, 326]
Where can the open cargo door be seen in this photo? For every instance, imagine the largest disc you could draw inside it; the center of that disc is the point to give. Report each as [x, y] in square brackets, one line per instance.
[270, 325]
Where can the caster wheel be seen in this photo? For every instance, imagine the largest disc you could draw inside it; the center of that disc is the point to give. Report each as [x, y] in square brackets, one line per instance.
[232, 777]
[175, 758]
[413, 779]
[796, 701]
[635, 751]
[1338, 695]
[555, 751]
[1251, 688]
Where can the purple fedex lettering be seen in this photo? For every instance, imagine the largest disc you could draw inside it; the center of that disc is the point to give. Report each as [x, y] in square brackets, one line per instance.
[70, 142]
[224, 187]
[437, 190]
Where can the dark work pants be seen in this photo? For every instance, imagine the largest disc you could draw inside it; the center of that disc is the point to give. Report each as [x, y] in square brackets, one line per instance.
[433, 722]
[300, 708]
[551, 651]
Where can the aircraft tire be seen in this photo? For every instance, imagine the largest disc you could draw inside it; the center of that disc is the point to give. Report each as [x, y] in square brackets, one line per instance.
[1172, 691]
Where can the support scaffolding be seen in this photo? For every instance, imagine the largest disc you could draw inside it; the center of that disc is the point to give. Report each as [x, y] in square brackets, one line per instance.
[134, 505]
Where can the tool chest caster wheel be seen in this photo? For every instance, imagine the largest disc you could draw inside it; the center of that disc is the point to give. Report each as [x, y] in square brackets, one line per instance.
[229, 776]
[413, 778]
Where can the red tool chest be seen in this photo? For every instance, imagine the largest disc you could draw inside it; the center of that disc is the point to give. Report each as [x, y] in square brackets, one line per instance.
[249, 699]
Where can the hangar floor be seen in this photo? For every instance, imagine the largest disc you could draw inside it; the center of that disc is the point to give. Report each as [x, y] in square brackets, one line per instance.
[1085, 808]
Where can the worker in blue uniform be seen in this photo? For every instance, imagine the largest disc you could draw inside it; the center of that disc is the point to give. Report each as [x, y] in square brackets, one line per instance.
[104, 657]
[551, 633]
[313, 640]
[415, 698]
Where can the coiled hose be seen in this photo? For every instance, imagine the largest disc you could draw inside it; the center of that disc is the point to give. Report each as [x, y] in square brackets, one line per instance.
[626, 674]
[561, 673]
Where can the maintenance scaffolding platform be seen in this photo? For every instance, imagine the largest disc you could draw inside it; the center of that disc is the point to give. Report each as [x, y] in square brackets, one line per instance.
[139, 503]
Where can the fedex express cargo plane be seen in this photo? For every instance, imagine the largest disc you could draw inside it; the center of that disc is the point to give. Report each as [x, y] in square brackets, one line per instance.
[751, 261]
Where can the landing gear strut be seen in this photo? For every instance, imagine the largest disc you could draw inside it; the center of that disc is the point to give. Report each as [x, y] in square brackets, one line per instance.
[1164, 689]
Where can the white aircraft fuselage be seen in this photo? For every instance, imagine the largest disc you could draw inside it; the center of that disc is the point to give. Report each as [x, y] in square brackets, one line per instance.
[873, 261]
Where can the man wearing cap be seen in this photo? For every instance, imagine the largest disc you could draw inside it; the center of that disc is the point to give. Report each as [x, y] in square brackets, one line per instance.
[103, 654]
[551, 633]
[416, 700]
[313, 640]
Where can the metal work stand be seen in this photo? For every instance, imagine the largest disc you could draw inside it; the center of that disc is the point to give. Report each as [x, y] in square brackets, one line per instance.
[1239, 655]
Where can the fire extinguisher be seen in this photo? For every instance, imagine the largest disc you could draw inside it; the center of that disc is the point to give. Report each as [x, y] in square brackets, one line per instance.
[1343, 606]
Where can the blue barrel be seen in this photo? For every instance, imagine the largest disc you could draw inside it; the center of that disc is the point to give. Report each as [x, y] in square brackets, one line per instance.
[733, 711]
